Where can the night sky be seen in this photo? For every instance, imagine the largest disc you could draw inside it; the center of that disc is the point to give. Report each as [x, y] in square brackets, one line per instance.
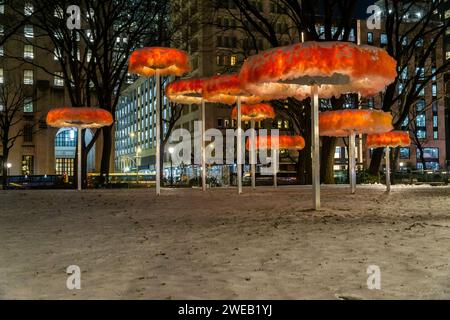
[362, 8]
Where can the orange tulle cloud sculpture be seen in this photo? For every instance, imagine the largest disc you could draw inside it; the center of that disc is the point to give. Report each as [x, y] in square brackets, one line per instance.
[167, 61]
[342, 123]
[284, 142]
[226, 88]
[79, 117]
[389, 139]
[186, 91]
[254, 112]
[337, 67]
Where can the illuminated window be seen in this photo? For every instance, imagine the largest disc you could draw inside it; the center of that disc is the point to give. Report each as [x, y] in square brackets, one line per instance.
[28, 77]
[28, 105]
[27, 165]
[56, 54]
[28, 31]
[233, 60]
[28, 9]
[28, 52]
[58, 80]
[2, 80]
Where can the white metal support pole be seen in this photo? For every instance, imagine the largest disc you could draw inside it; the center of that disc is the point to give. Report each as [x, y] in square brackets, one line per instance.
[158, 133]
[275, 167]
[315, 146]
[79, 158]
[388, 169]
[352, 161]
[203, 148]
[253, 154]
[239, 146]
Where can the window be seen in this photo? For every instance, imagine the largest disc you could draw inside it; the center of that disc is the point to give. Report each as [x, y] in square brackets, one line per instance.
[404, 153]
[370, 38]
[58, 80]
[2, 30]
[2, 51]
[27, 133]
[383, 39]
[429, 153]
[64, 166]
[27, 165]
[57, 54]
[421, 134]
[28, 31]
[435, 121]
[420, 72]
[435, 135]
[28, 105]
[420, 120]
[66, 138]
[28, 77]
[434, 90]
[28, 9]
[2, 9]
[2, 80]
[28, 52]
[59, 12]
[233, 60]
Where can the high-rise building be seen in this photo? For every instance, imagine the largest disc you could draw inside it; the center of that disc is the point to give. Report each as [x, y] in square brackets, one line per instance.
[27, 65]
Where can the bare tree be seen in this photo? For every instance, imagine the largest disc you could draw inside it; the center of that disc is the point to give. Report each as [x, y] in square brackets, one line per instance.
[287, 22]
[413, 42]
[12, 103]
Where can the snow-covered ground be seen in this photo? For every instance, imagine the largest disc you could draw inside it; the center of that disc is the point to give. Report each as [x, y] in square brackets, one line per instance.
[264, 244]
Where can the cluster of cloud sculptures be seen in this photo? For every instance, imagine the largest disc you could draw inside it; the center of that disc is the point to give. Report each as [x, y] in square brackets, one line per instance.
[80, 118]
[318, 69]
[388, 140]
[157, 62]
[252, 113]
[228, 90]
[349, 123]
[282, 142]
[304, 70]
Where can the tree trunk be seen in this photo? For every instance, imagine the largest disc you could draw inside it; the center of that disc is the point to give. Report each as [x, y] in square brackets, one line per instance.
[327, 160]
[106, 153]
[83, 160]
[4, 170]
[375, 163]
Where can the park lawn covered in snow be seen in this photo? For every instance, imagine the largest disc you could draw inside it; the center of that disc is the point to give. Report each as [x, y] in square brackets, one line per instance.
[263, 244]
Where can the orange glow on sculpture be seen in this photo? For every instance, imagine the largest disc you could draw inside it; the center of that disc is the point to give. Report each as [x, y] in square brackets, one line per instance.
[167, 61]
[186, 91]
[389, 139]
[362, 69]
[79, 117]
[225, 89]
[284, 142]
[254, 112]
[342, 123]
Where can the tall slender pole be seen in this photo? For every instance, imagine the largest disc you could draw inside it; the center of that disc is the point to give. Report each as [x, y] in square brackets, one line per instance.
[352, 161]
[315, 147]
[239, 146]
[275, 167]
[253, 154]
[388, 169]
[158, 133]
[203, 148]
[79, 158]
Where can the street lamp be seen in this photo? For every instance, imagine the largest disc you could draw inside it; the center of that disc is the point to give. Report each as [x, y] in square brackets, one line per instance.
[8, 167]
[171, 151]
